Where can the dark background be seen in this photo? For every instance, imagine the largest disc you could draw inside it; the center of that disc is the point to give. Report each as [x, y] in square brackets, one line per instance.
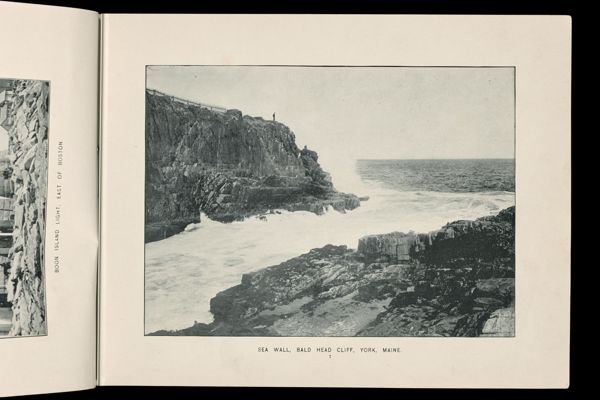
[323, 6]
[508, 7]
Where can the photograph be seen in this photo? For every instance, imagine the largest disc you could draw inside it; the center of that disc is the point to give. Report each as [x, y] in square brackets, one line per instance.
[328, 201]
[24, 107]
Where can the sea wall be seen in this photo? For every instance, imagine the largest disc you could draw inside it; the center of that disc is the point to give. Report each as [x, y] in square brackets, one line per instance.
[456, 281]
[226, 165]
[28, 154]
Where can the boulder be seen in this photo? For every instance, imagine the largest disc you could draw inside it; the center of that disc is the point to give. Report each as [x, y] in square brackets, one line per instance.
[395, 246]
[496, 287]
[500, 323]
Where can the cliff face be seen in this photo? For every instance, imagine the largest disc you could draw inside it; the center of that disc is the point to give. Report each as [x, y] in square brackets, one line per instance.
[457, 281]
[28, 153]
[228, 166]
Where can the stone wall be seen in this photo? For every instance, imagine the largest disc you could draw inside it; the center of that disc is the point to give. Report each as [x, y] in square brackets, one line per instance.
[28, 153]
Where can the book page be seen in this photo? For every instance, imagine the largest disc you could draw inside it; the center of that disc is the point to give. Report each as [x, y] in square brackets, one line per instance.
[48, 198]
[347, 201]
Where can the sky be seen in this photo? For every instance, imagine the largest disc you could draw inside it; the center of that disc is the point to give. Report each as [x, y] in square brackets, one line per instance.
[349, 113]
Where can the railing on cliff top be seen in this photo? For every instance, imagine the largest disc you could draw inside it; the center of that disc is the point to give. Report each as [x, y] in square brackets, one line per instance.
[189, 102]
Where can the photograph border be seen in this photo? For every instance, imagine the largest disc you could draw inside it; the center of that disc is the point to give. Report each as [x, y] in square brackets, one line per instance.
[513, 67]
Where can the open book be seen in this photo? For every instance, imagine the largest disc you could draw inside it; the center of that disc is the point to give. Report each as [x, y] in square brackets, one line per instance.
[276, 200]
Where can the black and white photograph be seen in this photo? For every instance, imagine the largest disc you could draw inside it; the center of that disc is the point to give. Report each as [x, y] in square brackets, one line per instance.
[24, 107]
[326, 201]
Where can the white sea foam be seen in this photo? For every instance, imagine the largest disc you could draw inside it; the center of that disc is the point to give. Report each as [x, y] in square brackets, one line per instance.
[185, 271]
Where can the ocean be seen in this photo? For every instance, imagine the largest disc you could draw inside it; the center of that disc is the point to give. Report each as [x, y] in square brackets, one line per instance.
[452, 176]
[185, 271]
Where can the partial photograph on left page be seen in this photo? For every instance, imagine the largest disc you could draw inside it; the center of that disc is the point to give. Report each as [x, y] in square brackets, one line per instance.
[24, 107]
[48, 198]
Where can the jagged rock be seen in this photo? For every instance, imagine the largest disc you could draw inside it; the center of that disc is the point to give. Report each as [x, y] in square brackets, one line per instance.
[487, 238]
[164, 229]
[228, 166]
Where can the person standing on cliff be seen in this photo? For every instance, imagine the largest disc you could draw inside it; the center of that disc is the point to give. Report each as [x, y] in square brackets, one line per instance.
[273, 117]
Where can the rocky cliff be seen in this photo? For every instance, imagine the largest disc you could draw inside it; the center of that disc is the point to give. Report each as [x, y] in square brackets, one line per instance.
[226, 165]
[28, 154]
[457, 281]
